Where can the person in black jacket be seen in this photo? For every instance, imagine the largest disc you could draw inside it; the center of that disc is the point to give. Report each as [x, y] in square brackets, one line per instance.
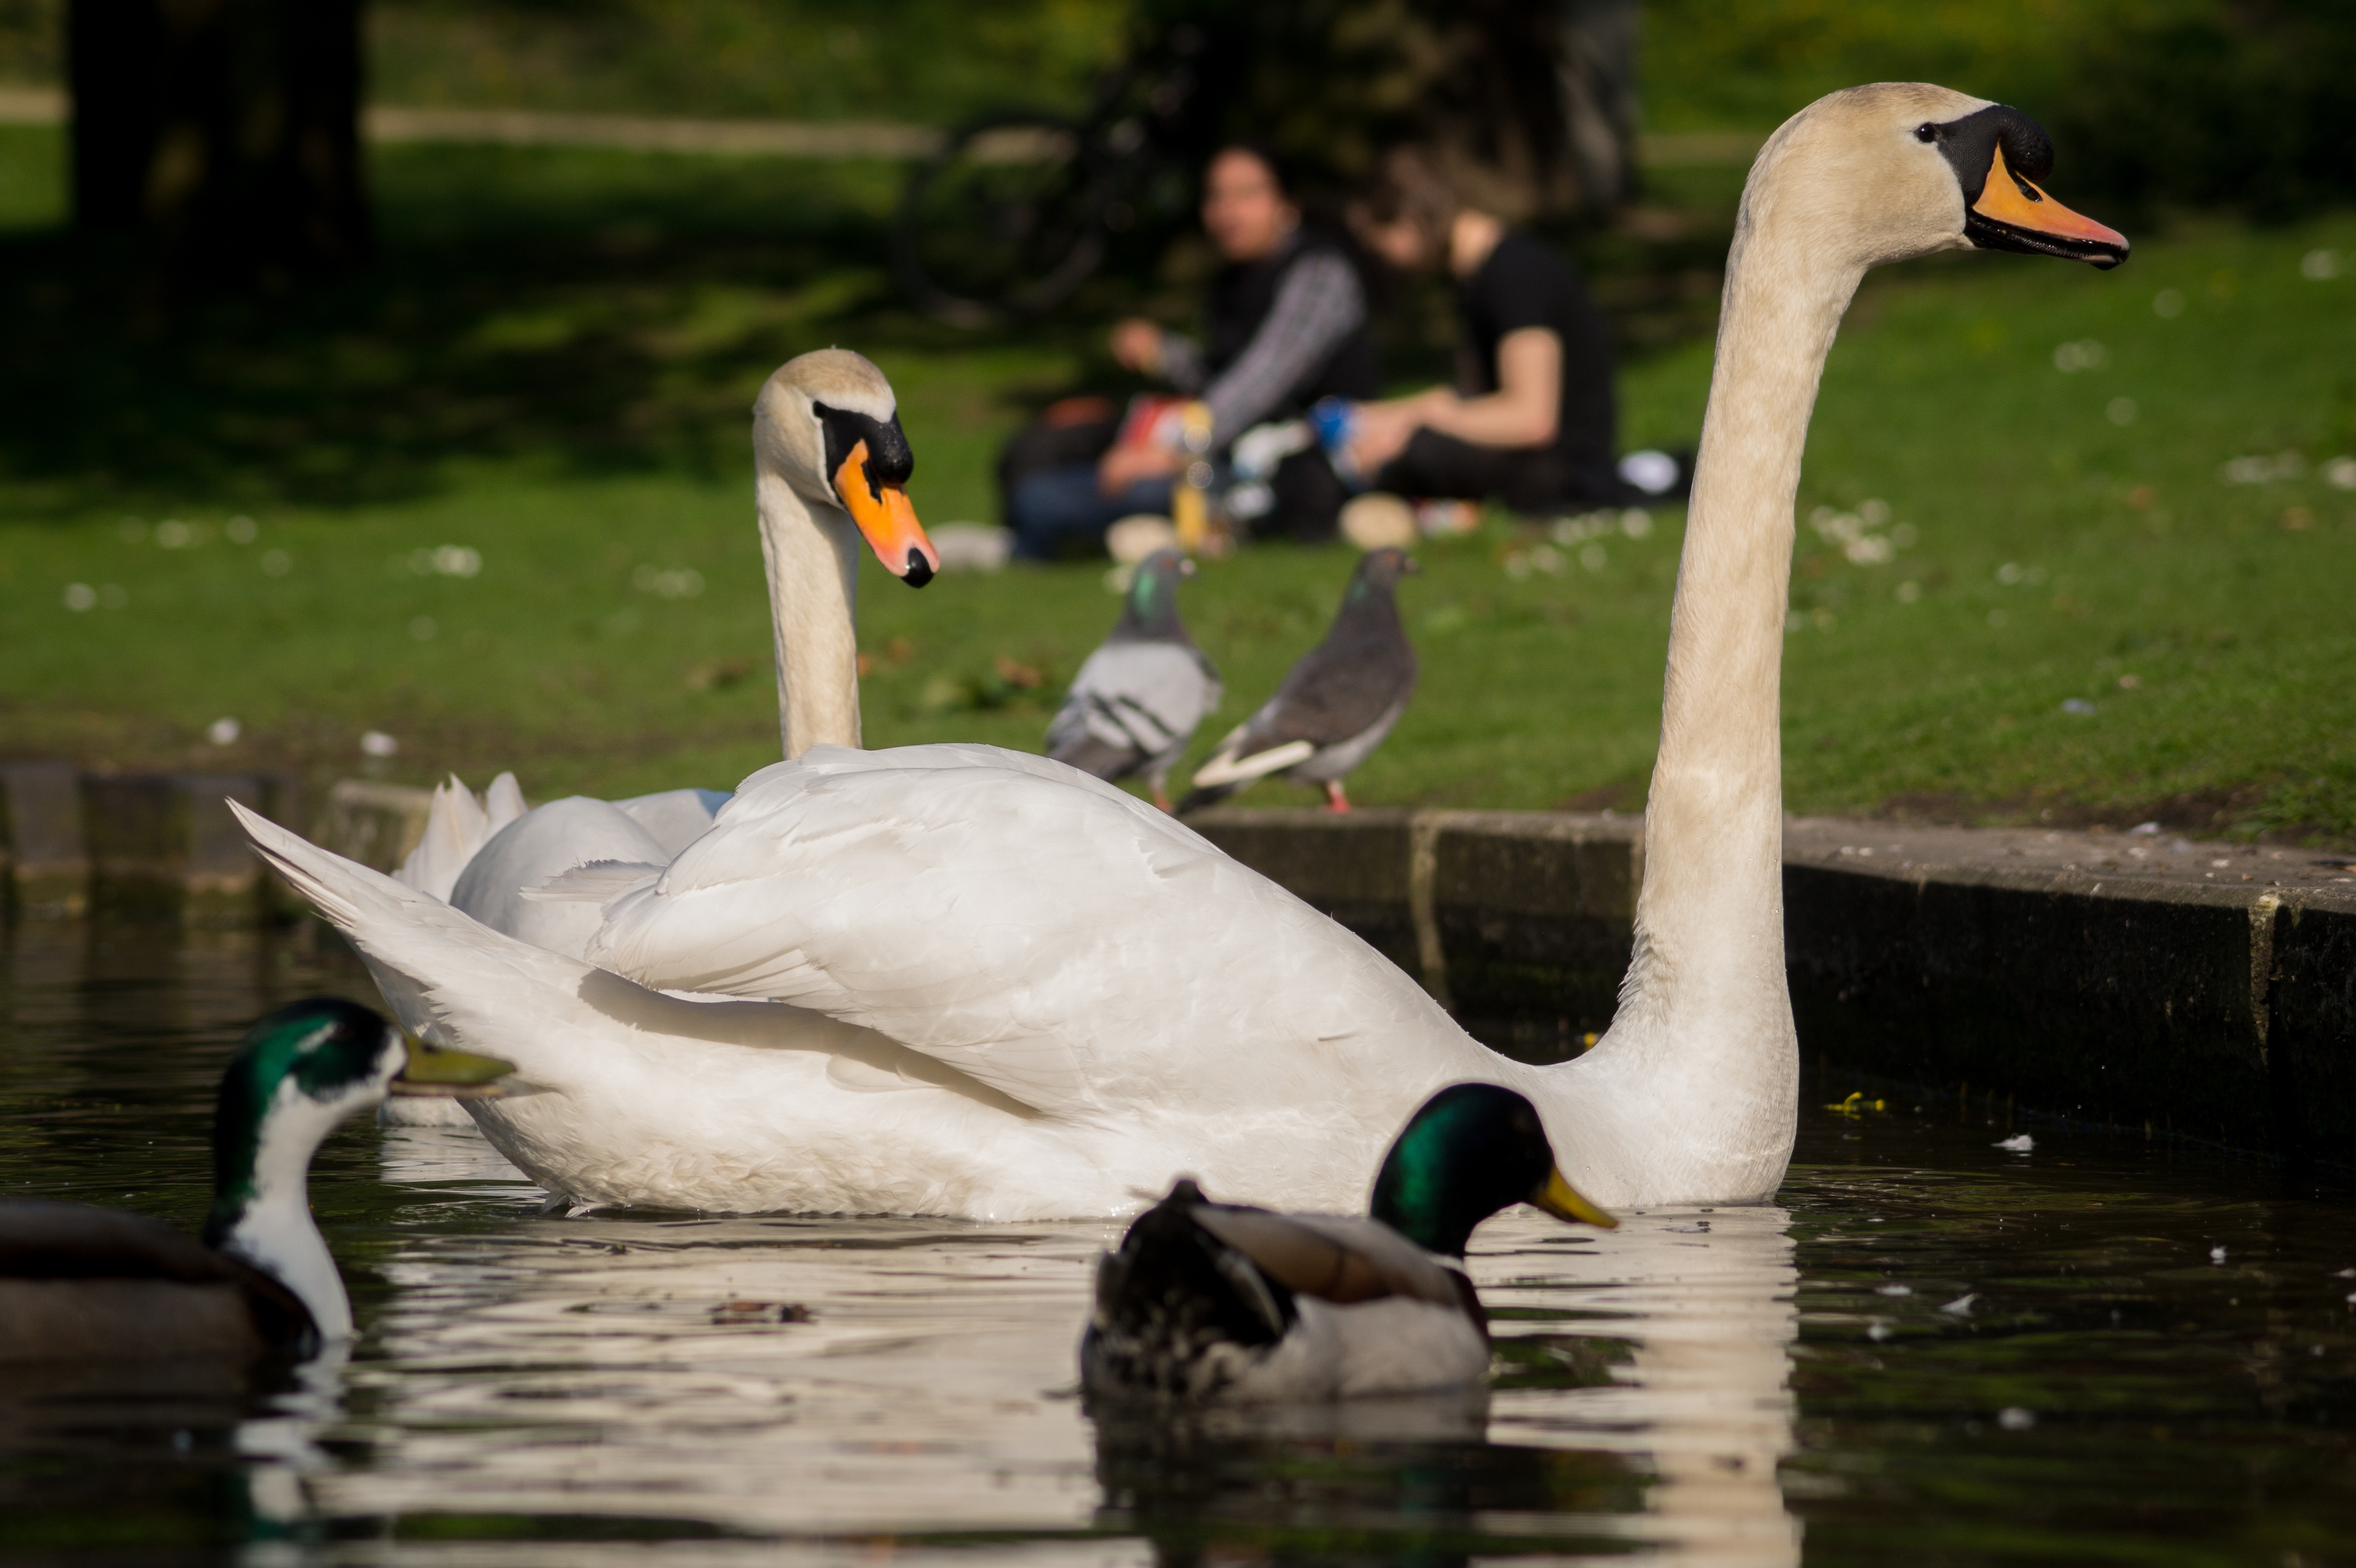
[1287, 324]
[1532, 420]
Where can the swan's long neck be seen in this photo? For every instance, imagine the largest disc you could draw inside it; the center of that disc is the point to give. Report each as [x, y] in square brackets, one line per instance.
[1705, 1019]
[813, 566]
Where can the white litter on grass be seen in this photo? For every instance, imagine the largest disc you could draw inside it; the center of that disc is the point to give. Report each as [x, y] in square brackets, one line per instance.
[223, 731]
[1652, 471]
[2341, 473]
[972, 547]
[2216, 1254]
[1893, 1290]
[2085, 354]
[674, 582]
[1962, 1305]
[2015, 1418]
[445, 561]
[377, 743]
[1877, 1330]
[2262, 470]
[2020, 1144]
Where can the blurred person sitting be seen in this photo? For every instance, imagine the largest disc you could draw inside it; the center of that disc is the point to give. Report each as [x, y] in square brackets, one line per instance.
[1286, 323]
[1532, 421]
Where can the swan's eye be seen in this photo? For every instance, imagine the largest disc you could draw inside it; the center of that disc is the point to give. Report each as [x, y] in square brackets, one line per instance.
[1926, 132]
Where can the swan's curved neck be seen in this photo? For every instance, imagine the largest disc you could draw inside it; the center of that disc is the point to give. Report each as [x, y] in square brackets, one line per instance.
[813, 567]
[1708, 966]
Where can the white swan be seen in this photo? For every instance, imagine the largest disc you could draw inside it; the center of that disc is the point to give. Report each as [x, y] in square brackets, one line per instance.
[831, 464]
[970, 982]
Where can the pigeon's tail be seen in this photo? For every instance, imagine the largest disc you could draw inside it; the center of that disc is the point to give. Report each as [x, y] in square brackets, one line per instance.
[1201, 796]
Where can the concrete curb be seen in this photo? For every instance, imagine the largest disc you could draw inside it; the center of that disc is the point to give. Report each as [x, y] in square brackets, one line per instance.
[136, 846]
[2136, 980]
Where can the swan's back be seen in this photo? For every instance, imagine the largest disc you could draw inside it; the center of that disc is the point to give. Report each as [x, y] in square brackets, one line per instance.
[1060, 940]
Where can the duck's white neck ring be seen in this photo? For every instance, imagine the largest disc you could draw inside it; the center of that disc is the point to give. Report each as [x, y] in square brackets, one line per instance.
[272, 1227]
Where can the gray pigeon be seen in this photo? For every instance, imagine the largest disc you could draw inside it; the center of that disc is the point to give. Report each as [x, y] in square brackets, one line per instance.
[1336, 705]
[1135, 703]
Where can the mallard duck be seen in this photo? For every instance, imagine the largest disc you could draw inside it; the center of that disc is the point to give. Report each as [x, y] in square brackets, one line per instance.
[1137, 700]
[1213, 1301]
[957, 980]
[1334, 706]
[78, 1281]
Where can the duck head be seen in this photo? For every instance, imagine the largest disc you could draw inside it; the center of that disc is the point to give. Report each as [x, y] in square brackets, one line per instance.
[1901, 169]
[828, 422]
[1471, 1151]
[298, 1073]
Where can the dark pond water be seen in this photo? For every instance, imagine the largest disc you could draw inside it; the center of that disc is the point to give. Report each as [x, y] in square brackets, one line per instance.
[1934, 1350]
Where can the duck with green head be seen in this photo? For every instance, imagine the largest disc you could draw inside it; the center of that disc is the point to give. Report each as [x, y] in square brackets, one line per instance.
[1211, 1302]
[82, 1281]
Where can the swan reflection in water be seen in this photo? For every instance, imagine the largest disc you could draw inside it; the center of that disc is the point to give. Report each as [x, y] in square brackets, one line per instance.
[827, 1380]
[1642, 1401]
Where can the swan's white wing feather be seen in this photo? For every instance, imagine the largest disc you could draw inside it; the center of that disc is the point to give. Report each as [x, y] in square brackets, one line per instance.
[676, 817]
[599, 882]
[432, 962]
[543, 844]
[1043, 931]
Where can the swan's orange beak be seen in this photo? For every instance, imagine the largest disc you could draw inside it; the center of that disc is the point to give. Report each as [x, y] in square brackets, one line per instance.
[888, 520]
[2014, 215]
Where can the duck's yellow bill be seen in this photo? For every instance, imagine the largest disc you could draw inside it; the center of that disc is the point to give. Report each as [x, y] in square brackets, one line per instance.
[887, 519]
[1558, 1199]
[449, 1074]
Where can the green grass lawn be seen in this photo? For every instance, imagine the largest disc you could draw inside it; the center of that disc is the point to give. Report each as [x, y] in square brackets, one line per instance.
[553, 365]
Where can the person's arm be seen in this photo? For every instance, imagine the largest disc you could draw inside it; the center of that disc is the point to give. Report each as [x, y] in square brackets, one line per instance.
[1524, 412]
[1319, 304]
[1141, 345]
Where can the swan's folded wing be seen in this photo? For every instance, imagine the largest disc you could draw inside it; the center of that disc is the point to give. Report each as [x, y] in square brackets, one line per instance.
[1052, 936]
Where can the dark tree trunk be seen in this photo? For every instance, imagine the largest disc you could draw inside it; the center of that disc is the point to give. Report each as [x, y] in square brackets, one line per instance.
[225, 131]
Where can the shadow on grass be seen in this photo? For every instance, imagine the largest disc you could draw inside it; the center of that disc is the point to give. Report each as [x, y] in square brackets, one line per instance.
[583, 313]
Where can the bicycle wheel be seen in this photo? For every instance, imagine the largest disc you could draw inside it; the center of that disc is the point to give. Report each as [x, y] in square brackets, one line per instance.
[1003, 221]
